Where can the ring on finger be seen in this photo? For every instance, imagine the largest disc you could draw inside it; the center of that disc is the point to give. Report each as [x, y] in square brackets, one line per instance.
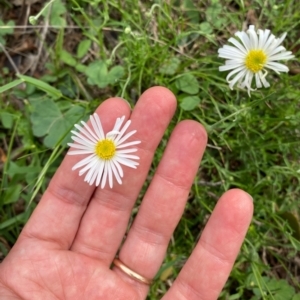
[119, 264]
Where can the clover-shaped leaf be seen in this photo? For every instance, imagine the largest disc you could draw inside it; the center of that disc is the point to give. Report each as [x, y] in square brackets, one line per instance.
[52, 123]
[98, 74]
[187, 83]
[189, 102]
[56, 10]
[170, 66]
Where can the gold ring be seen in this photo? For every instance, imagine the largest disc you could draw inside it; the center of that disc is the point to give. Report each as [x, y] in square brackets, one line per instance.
[119, 264]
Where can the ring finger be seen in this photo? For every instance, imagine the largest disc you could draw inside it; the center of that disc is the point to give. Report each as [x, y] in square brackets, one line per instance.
[163, 204]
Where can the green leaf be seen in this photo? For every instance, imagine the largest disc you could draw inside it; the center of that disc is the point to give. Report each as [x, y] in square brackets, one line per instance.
[48, 120]
[170, 66]
[115, 74]
[7, 120]
[10, 85]
[97, 73]
[206, 28]
[219, 23]
[188, 84]
[21, 218]
[189, 102]
[81, 68]
[83, 48]
[296, 297]
[56, 10]
[213, 12]
[68, 58]
[14, 169]
[191, 11]
[49, 78]
[12, 194]
[42, 86]
[281, 289]
[6, 30]
[58, 21]
[294, 222]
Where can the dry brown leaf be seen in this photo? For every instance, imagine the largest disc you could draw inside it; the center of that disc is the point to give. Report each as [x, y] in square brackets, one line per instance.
[3, 156]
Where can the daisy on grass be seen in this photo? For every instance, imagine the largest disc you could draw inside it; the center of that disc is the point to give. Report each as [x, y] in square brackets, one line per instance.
[106, 151]
[252, 56]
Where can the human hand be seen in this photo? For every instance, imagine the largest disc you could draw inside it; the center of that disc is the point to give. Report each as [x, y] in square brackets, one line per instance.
[68, 245]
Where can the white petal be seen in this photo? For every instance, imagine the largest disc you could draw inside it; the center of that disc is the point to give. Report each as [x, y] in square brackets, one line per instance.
[80, 146]
[89, 166]
[119, 168]
[127, 162]
[97, 126]
[122, 131]
[104, 177]
[127, 155]
[119, 123]
[87, 127]
[230, 51]
[115, 172]
[244, 39]
[100, 172]
[128, 144]
[276, 50]
[281, 56]
[240, 69]
[125, 137]
[257, 80]
[237, 62]
[237, 78]
[268, 45]
[110, 177]
[230, 67]
[263, 36]
[277, 67]
[112, 133]
[84, 161]
[88, 135]
[91, 174]
[241, 48]
[79, 138]
[248, 81]
[131, 150]
[79, 152]
[253, 38]
[94, 172]
[264, 81]
[277, 42]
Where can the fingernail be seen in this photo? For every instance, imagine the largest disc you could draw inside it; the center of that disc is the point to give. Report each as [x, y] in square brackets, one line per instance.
[250, 196]
[127, 103]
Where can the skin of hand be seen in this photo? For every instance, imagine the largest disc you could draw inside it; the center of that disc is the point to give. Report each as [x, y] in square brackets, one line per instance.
[66, 249]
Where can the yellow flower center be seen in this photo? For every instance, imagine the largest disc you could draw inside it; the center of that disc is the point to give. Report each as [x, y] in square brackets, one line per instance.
[255, 60]
[105, 149]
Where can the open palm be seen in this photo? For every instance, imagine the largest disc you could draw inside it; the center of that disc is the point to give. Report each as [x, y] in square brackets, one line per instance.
[66, 249]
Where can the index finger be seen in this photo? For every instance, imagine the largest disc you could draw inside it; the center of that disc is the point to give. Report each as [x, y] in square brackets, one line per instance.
[58, 215]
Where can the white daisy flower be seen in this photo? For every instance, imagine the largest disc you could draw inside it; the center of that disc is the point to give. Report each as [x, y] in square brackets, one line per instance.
[106, 151]
[256, 53]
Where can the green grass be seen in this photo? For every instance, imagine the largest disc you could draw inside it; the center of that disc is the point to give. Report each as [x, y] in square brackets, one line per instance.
[99, 49]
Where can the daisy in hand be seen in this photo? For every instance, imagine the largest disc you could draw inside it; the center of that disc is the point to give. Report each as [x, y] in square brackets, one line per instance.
[106, 151]
[252, 56]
